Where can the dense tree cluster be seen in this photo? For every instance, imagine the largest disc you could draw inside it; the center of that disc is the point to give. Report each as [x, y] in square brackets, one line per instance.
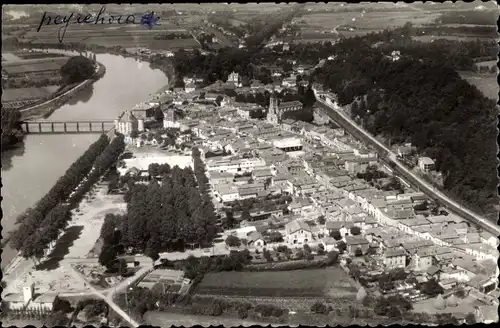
[164, 217]
[59, 192]
[77, 69]
[431, 287]
[371, 173]
[321, 308]
[393, 306]
[161, 217]
[213, 67]
[195, 268]
[41, 225]
[205, 39]
[140, 300]
[56, 319]
[172, 36]
[11, 128]
[426, 103]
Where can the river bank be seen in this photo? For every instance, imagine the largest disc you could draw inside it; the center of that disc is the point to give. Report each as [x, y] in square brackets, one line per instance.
[104, 100]
[166, 67]
[46, 108]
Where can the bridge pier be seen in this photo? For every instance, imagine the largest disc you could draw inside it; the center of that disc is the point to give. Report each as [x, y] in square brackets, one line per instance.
[65, 128]
[39, 127]
[52, 126]
[90, 126]
[27, 127]
[102, 127]
[77, 127]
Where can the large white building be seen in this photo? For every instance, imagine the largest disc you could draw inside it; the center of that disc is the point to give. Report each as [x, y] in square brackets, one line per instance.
[29, 301]
[239, 165]
[426, 164]
[169, 119]
[128, 123]
[288, 144]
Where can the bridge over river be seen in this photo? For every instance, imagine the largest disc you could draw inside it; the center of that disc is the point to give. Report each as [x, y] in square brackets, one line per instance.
[67, 127]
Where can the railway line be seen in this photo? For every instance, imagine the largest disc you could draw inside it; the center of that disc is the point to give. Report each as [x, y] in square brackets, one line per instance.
[388, 157]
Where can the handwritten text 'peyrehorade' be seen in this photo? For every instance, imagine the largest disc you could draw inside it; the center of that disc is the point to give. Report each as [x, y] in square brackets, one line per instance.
[85, 19]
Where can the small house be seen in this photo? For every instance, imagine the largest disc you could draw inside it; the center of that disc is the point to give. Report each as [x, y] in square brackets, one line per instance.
[356, 242]
[298, 232]
[426, 164]
[329, 243]
[395, 257]
[255, 239]
[433, 272]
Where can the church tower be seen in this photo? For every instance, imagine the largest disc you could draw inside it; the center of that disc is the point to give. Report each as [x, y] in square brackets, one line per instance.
[273, 114]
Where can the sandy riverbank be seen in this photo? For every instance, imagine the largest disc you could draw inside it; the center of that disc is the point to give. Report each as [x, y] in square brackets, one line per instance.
[54, 274]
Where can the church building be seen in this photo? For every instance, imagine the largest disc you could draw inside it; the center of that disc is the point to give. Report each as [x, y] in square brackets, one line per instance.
[276, 109]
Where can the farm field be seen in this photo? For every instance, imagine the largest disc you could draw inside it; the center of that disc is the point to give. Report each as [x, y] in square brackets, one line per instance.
[431, 38]
[309, 40]
[124, 36]
[168, 319]
[38, 62]
[27, 93]
[73, 32]
[486, 83]
[36, 55]
[328, 282]
[368, 20]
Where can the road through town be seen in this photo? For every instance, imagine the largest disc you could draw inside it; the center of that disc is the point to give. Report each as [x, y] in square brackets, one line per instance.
[108, 294]
[343, 119]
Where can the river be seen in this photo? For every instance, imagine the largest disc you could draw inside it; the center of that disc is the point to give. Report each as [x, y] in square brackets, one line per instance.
[29, 171]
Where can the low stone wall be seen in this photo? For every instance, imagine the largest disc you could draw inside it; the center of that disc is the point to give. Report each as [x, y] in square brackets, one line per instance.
[48, 107]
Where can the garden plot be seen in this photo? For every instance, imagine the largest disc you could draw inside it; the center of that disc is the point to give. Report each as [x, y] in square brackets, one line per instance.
[298, 283]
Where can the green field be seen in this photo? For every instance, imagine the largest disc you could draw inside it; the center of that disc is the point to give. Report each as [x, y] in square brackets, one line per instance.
[127, 36]
[27, 93]
[431, 38]
[368, 20]
[330, 282]
[167, 319]
[486, 83]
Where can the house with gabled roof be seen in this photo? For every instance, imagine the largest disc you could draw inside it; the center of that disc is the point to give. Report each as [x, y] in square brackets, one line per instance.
[356, 242]
[395, 257]
[298, 232]
[255, 239]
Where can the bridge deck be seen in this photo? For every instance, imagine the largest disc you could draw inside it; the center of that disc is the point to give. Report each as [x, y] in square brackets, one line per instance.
[70, 132]
[70, 127]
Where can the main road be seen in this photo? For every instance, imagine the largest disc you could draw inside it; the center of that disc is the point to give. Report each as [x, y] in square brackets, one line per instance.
[343, 119]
